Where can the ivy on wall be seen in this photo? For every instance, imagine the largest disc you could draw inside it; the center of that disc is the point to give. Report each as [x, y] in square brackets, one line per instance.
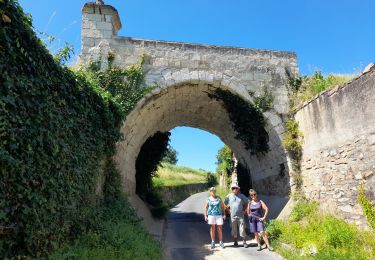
[367, 205]
[56, 128]
[148, 159]
[248, 121]
[292, 141]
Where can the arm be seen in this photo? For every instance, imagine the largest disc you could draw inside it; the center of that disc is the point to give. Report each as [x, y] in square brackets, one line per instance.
[265, 208]
[245, 203]
[205, 211]
[248, 209]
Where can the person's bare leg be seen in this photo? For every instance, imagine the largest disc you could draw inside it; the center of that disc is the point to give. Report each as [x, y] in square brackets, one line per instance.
[258, 240]
[220, 232]
[265, 238]
[256, 234]
[212, 232]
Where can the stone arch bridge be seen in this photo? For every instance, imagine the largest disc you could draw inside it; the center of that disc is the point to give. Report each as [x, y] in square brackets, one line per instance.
[184, 72]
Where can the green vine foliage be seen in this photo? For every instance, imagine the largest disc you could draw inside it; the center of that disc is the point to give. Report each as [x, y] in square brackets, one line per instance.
[292, 141]
[264, 102]
[56, 127]
[367, 205]
[248, 120]
[151, 154]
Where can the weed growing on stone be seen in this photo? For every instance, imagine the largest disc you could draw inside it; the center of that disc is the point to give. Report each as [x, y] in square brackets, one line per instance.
[311, 234]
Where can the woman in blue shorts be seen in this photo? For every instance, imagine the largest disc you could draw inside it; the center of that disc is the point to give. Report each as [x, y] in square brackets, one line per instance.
[258, 211]
[214, 215]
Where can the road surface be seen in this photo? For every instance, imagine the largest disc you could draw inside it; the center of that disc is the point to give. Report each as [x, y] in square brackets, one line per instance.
[187, 236]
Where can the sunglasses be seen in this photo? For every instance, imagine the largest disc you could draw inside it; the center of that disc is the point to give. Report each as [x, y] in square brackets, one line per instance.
[253, 195]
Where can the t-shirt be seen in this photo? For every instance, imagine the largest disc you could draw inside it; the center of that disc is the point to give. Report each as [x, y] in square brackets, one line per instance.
[237, 204]
[214, 206]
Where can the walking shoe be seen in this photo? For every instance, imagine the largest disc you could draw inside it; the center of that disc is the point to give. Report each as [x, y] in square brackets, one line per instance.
[245, 245]
[259, 248]
[212, 245]
[235, 244]
[222, 244]
[270, 248]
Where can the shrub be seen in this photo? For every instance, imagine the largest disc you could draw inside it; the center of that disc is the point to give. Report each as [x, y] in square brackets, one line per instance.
[303, 209]
[274, 228]
[337, 232]
[315, 235]
[116, 234]
[264, 102]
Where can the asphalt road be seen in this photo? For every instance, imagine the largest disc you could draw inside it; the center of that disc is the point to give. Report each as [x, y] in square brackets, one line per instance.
[187, 236]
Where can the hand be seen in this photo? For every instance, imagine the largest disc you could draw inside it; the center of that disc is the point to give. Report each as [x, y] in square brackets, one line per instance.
[262, 219]
[224, 217]
[205, 218]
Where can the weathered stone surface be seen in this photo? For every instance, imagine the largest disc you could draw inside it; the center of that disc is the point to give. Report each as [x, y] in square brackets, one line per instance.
[184, 73]
[339, 138]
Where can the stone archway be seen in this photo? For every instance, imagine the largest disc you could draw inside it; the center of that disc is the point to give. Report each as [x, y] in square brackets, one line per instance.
[183, 72]
[187, 104]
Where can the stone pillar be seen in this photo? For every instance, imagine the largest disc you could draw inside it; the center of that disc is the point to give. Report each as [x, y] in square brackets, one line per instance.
[100, 22]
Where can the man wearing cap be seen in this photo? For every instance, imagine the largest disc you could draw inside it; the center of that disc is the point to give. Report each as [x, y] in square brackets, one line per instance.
[237, 203]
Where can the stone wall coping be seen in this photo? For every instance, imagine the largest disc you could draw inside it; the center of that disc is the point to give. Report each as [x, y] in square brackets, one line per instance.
[332, 91]
[218, 48]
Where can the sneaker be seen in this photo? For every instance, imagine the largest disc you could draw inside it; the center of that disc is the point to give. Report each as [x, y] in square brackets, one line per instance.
[259, 248]
[270, 248]
[245, 245]
[222, 244]
[212, 245]
[235, 244]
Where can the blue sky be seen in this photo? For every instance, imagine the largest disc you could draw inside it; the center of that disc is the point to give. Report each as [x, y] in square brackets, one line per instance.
[331, 35]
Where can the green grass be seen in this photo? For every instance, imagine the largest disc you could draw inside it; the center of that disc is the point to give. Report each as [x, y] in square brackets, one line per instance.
[116, 233]
[173, 175]
[315, 235]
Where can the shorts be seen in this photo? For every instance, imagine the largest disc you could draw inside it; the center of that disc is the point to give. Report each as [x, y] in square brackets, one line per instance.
[256, 226]
[215, 220]
[238, 223]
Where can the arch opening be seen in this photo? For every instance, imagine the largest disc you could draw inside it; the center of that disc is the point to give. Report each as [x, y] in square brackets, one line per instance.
[188, 104]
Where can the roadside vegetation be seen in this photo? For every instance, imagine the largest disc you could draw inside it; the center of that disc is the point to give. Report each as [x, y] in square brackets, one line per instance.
[312, 234]
[305, 87]
[116, 233]
[59, 130]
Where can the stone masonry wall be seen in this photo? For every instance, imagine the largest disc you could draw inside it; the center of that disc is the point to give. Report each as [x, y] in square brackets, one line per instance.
[194, 67]
[339, 146]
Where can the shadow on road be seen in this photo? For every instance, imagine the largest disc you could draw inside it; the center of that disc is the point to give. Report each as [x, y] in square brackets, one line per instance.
[187, 233]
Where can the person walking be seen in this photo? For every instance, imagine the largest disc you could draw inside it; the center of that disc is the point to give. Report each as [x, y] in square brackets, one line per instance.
[214, 216]
[257, 211]
[237, 204]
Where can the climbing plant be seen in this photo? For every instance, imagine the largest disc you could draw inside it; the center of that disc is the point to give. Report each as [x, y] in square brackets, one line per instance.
[148, 159]
[57, 127]
[367, 205]
[292, 141]
[248, 121]
[263, 101]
